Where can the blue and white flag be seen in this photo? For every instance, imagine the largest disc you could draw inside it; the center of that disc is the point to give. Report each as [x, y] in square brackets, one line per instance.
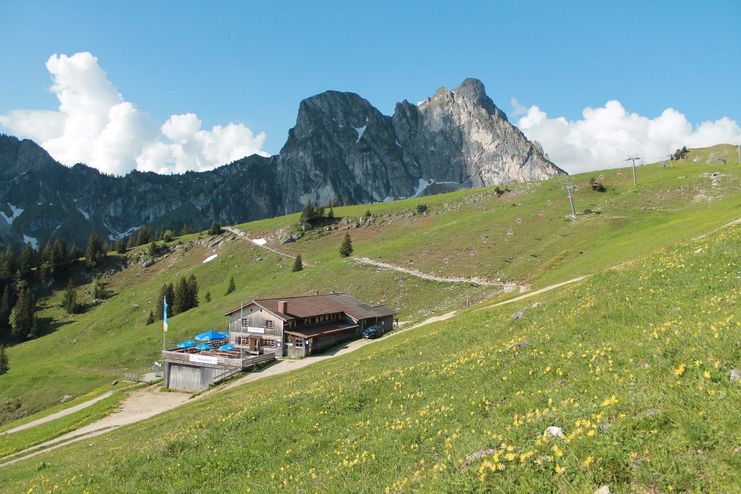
[164, 317]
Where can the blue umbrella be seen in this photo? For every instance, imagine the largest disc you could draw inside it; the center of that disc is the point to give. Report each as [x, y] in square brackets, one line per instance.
[227, 347]
[203, 346]
[187, 344]
[212, 335]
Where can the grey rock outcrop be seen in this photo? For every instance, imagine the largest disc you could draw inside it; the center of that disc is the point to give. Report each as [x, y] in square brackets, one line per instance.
[342, 150]
[460, 136]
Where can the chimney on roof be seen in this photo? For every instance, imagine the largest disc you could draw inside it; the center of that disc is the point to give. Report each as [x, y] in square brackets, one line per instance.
[283, 307]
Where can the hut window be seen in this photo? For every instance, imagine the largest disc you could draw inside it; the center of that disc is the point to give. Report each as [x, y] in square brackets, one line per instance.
[244, 322]
[299, 343]
[269, 324]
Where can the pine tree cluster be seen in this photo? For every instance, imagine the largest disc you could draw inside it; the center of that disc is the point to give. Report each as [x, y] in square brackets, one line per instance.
[313, 216]
[181, 297]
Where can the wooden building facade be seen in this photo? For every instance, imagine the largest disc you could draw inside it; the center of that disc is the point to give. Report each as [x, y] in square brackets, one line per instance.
[301, 326]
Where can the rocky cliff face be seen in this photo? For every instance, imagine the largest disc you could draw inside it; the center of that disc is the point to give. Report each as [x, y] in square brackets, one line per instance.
[41, 199]
[460, 136]
[342, 150]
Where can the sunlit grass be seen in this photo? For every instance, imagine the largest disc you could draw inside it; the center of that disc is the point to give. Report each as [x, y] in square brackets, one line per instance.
[632, 365]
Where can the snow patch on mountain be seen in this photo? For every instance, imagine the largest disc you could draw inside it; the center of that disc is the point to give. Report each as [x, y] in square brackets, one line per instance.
[116, 235]
[31, 240]
[15, 212]
[360, 131]
[423, 184]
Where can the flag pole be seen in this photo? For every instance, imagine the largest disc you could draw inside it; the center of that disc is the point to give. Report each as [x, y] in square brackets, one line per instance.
[241, 338]
[164, 324]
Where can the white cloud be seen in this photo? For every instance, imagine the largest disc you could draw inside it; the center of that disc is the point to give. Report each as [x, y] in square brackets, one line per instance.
[517, 107]
[606, 135]
[96, 126]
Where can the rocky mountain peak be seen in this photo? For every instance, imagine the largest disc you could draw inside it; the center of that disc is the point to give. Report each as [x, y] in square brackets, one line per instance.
[473, 90]
[343, 109]
[342, 150]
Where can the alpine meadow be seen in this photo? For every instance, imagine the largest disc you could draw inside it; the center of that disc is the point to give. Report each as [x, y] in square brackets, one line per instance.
[364, 248]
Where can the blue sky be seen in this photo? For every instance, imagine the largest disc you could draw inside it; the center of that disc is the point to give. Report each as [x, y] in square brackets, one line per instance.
[252, 62]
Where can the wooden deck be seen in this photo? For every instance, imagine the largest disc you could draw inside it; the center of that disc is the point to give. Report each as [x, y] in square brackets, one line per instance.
[215, 359]
[196, 371]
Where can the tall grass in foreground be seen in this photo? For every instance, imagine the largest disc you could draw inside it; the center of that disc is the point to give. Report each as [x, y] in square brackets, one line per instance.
[632, 365]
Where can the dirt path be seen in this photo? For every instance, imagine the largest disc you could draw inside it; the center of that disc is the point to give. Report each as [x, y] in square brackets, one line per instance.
[239, 233]
[507, 287]
[139, 405]
[535, 292]
[60, 414]
[148, 402]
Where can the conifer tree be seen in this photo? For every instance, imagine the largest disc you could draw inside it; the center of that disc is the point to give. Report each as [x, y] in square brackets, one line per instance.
[207, 297]
[143, 236]
[231, 286]
[26, 262]
[180, 303]
[308, 215]
[47, 257]
[34, 331]
[59, 253]
[170, 293]
[298, 264]
[21, 317]
[346, 247]
[69, 299]
[120, 246]
[74, 253]
[215, 228]
[192, 291]
[7, 266]
[5, 314]
[98, 289]
[4, 366]
[94, 251]
[150, 318]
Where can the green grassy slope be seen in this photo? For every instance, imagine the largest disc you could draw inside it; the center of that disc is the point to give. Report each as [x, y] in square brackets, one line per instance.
[633, 365]
[465, 233]
[670, 204]
[21, 440]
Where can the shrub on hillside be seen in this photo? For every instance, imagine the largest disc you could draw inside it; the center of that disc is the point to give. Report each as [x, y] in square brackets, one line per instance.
[680, 154]
[231, 287]
[215, 228]
[4, 366]
[346, 247]
[69, 299]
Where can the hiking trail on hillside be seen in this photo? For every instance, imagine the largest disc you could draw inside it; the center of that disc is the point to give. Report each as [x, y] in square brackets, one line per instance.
[243, 235]
[474, 280]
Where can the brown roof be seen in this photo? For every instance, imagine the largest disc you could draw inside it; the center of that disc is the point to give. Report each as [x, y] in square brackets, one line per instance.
[317, 305]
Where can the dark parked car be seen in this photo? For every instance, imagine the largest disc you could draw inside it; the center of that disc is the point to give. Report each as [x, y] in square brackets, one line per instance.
[372, 332]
